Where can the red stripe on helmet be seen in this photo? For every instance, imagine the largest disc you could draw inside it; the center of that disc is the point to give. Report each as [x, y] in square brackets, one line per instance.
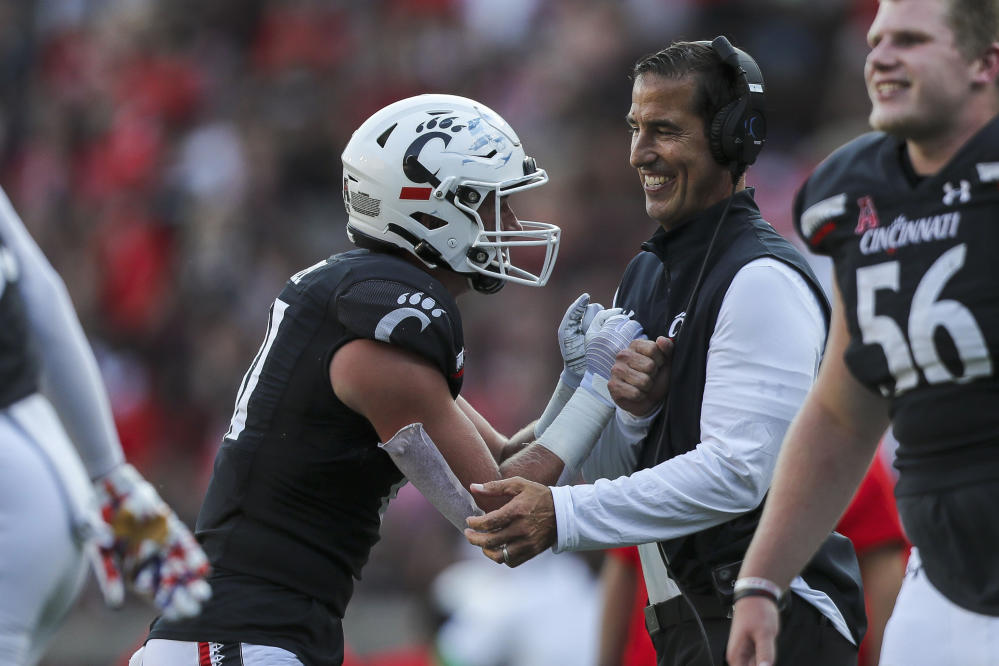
[419, 193]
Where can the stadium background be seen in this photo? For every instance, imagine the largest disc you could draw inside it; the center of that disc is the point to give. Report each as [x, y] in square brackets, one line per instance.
[177, 160]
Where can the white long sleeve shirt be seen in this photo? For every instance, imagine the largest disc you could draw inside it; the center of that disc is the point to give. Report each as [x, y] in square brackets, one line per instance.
[762, 360]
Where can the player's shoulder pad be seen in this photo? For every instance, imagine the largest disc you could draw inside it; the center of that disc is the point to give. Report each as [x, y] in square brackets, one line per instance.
[822, 202]
[388, 299]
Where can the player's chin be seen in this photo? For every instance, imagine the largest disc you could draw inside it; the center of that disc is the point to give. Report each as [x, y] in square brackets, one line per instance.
[897, 121]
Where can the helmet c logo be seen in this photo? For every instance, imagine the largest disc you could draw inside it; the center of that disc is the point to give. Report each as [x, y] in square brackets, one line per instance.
[413, 169]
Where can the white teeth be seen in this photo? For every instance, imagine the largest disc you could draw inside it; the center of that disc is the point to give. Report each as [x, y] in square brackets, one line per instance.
[654, 181]
[888, 87]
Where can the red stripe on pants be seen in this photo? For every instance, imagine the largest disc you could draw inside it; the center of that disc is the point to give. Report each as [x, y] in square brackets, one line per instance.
[204, 655]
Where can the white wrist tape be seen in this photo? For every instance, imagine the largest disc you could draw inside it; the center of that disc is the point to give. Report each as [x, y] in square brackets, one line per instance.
[563, 391]
[596, 385]
[417, 457]
[575, 430]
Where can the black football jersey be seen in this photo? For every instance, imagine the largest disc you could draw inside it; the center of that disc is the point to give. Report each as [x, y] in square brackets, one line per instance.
[18, 363]
[299, 481]
[915, 261]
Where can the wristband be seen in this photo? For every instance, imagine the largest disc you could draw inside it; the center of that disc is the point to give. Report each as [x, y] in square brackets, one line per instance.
[753, 586]
[755, 592]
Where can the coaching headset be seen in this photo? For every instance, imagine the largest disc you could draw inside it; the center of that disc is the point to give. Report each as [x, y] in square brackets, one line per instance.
[739, 129]
[737, 133]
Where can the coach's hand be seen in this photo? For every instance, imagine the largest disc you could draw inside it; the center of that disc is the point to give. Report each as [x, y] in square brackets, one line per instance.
[147, 546]
[518, 530]
[640, 377]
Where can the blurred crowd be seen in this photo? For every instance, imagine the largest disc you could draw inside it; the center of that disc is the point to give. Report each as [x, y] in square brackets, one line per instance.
[178, 159]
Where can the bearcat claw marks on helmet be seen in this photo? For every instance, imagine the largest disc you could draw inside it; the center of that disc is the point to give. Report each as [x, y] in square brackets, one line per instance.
[416, 175]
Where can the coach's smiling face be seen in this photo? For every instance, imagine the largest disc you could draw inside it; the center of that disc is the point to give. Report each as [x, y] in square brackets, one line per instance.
[669, 148]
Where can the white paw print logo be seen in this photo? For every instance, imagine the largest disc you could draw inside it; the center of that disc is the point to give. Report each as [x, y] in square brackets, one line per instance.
[416, 305]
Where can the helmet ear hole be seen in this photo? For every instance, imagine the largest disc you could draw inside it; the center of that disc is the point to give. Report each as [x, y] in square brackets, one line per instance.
[429, 221]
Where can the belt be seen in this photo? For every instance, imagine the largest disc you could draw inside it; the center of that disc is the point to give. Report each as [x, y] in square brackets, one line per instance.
[674, 611]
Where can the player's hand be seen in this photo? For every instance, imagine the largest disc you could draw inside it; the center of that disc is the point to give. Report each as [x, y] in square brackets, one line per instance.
[525, 525]
[639, 378]
[753, 636]
[147, 546]
[613, 337]
[573, 331]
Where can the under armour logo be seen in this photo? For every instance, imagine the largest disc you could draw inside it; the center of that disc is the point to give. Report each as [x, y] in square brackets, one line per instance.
[963, 193]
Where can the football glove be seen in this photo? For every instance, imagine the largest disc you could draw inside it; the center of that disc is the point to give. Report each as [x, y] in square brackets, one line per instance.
[615, 334]
[579, 323]
[146, 545]
[573, 432]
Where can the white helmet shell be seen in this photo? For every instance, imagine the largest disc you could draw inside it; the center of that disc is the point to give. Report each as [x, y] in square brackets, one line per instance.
[440, 156]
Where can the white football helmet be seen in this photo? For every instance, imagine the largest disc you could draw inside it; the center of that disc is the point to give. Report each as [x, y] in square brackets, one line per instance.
[415, 175]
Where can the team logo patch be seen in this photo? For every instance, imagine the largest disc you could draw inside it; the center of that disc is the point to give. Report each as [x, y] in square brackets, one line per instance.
[676, 325]
[868, 217]
[962, 192]
[416, 306]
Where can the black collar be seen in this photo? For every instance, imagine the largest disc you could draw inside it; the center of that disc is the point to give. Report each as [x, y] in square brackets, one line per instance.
[686, 243]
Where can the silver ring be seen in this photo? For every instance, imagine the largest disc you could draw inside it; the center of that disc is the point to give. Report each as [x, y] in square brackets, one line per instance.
[506, 555]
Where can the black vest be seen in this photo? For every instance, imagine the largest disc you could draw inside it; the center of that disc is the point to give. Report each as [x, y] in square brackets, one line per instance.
[657, 285]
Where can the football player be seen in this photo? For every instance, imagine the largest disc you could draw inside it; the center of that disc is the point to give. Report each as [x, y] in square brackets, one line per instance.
[356, 387]
[908, 215]
[67, 496]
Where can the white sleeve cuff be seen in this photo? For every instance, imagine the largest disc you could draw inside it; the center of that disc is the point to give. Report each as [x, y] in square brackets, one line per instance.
[562, 499]
[637, 425]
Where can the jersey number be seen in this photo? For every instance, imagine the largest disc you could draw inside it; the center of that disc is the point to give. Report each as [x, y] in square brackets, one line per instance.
[252, 375]
[925, 315]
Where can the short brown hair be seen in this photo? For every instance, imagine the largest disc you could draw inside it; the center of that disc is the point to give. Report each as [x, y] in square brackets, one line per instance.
[715, 82]
[975, 24]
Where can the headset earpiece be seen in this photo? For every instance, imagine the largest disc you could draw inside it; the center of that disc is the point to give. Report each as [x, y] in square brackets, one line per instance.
[739, 129]
[718, 131]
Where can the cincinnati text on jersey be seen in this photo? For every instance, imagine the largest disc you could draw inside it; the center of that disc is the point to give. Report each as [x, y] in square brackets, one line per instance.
[903, 231]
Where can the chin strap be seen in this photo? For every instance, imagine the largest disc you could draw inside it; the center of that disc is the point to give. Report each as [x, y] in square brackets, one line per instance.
[485, 284]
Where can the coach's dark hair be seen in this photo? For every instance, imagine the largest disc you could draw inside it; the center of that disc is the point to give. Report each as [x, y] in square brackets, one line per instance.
[975, 24]
[716, 82]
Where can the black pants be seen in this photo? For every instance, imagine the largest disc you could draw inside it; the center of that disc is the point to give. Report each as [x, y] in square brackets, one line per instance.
[806, 636]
